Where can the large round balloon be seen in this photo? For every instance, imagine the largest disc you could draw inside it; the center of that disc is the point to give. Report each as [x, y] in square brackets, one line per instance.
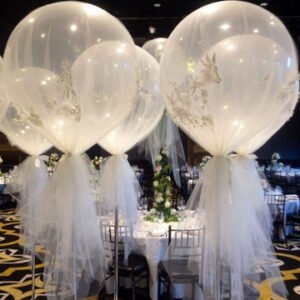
[3, 96]
[146, 113]
[155, 47]
[71, 68]
[227, 71]
[21, 133]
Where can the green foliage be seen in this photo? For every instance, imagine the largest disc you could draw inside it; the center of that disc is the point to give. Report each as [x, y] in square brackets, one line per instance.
[164, 191]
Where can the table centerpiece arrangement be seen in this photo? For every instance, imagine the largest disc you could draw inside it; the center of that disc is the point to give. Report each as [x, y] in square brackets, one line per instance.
[164, 191]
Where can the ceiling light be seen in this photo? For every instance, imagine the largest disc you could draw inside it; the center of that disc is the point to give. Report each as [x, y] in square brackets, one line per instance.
[157, 5]
[152, 29]
[264, 4]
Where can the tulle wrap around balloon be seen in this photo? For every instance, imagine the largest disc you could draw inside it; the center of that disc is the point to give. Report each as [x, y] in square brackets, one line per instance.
[227, 71]
[31, 176]
[117, 173]
[79, 254]
[71, 68]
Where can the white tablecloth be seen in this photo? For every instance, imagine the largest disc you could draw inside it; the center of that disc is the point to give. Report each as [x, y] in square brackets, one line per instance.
[150, 240]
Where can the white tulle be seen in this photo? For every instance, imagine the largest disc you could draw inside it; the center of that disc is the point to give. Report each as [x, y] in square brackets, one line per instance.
[228, 71]
[166, 134]
[119, 187]
[236, 214]
[69, 231]
[71, 67]
[31, 176]
[119, 190]
[30, 179]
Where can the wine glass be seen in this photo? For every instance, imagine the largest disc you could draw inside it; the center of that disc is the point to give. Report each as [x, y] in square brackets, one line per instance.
[140, 203]
[145, 205]
[161, 217]
[181, 204]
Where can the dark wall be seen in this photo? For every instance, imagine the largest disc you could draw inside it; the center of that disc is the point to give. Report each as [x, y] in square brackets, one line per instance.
[286, 141]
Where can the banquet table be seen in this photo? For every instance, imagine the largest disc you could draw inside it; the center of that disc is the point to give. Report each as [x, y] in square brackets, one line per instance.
[150, 240]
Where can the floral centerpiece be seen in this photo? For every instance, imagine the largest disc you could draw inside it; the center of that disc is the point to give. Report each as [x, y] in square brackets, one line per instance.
[164, 191]
[52, 162]
[204, 161]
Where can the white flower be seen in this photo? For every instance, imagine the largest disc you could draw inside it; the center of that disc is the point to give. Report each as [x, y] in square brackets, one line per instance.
[173, 211]
[164, 151]
[168, 178]
[1, 160]
[159, 199]
[159, 158]
[152, 210]
[155, 183]
[167, 204]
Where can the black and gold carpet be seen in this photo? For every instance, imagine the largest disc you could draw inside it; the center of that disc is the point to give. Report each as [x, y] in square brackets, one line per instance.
[16, 275]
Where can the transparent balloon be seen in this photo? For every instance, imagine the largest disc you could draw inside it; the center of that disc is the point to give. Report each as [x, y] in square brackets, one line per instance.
[31, 176]
[166, 133]
[21, 133]
[3, 96]
[71, 68]
[228, 70]
[155, 47]
[146, 113]
[141, 121]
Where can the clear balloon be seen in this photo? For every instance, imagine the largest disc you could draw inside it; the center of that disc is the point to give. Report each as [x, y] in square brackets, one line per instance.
[21, 133]
[228, 70]
[3, 96]
[141, 121]
[146, 113]
[155, 47]
[235, 72]
[71, 68]
[166, 133]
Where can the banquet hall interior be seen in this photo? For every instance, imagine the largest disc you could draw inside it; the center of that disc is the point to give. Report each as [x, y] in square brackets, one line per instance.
[143, 196]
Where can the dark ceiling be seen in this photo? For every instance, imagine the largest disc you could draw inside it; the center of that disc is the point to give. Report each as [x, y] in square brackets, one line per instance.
[138, 15]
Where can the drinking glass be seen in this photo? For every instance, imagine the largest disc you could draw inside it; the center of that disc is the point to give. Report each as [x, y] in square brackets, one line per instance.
[161, 217]
[181, 204]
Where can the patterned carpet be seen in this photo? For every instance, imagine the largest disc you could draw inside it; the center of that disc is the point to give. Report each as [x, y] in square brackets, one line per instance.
[16, 278]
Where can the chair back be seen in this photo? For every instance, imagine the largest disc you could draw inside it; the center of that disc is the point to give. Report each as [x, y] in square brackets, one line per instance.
[109, 237]
[186, 244]
[279, 202]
